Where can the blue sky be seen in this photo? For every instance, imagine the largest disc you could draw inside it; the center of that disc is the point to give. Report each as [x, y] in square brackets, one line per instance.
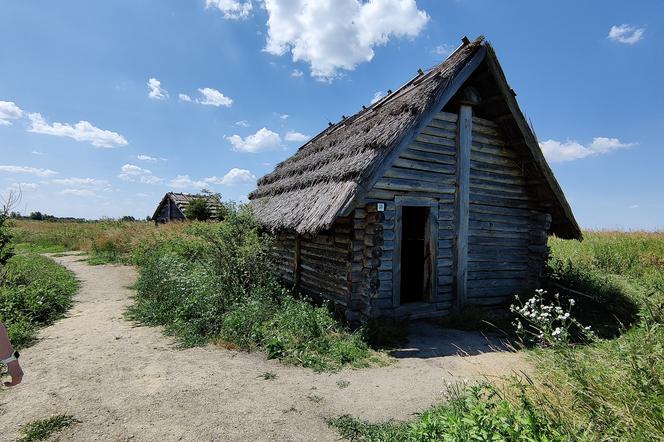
[105, 106]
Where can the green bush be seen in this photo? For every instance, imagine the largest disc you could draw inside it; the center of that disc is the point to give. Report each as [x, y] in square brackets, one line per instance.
[215, 284]
[34, 292]
[198, 210]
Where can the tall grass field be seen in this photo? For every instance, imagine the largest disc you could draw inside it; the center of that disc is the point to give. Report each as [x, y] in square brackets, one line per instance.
[208, 282]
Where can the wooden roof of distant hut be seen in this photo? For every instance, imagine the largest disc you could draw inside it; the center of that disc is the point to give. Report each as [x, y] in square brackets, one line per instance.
[327, 176]
[182, 200]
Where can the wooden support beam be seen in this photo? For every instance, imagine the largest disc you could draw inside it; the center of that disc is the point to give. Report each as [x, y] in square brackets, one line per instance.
[469, 98]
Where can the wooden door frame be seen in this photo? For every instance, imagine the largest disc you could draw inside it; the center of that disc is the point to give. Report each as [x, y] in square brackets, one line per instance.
[431, 232]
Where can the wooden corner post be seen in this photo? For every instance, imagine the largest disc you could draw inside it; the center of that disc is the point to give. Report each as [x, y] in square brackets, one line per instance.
[469, 98]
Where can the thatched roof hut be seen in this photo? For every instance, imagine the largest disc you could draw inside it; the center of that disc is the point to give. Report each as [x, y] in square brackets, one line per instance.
[172, 206]
[453, 140]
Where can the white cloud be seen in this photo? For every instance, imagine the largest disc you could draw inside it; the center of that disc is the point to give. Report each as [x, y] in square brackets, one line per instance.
[131, 172]
[282, 116]
[82, 182]
[212, 97]
[338, 34]
[26, 169]
[36, 152]
[156, 91]
[633, 206]
[296, 73]
[242, 123]
[78, 192]
[236, 176]
[24, 186]
[144, 157]
[556, 151]
[184, 182]
[377, 96]
[81, 131]
[443, 50]
[264, 139]
[626, 34]
[232, 9]
[184, 97]
[296, 136]
[9, 111]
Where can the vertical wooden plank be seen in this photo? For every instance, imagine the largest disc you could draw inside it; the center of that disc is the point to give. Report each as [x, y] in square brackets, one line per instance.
[297, 266]
[433, 249]
[464, 142]
[396, 258]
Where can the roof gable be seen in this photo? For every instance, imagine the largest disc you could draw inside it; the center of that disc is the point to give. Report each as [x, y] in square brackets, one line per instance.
[327, 176]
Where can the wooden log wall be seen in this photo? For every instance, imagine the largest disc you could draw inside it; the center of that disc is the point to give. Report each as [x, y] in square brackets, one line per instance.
[507, 236]
[318, 264]
[426, 168]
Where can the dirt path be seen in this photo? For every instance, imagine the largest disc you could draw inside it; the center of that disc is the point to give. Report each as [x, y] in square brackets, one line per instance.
[130, 383]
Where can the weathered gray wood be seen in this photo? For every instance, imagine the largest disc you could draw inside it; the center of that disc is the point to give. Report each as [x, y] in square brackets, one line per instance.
[297, 270]
[396, 257]
[395, 184]
[464, 142]
[419, 175]
[443, 152]
[438, 103]
[425, 166]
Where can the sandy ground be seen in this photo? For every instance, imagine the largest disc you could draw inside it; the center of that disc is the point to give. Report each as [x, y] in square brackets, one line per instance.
[131, 383]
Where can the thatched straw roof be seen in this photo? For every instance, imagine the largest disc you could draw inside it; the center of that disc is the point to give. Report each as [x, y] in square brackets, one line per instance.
[308, 191]
[182, 200]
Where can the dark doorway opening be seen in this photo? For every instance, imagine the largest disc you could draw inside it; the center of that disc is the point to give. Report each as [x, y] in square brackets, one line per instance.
[414, 254]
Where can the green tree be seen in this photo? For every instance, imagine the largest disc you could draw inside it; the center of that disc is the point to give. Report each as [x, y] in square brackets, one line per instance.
[9, 203]
[198, 210]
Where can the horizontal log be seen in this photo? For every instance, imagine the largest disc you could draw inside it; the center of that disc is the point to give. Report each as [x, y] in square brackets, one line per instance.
[376, 217]
[407, 163]
[513, 284]
[443, 152]
[501, 210]
[515, 220]
[445, 279]
[488, 159]
[445, 186]
[497, 274]
[373, 240]
[439, 131]
[385, 275]
[374, 229]
[476, 198]
[446, 116]
[445, 243]
[499, 194]
[473, 266]
[485, 122]
[419, 175]
[495, 226]
[430, 154]
[493, 234]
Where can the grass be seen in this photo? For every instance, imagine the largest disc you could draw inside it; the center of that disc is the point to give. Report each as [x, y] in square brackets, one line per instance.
[477, 413]
[610, 389]
[34, 292]
[105, 241]
[44, 428]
